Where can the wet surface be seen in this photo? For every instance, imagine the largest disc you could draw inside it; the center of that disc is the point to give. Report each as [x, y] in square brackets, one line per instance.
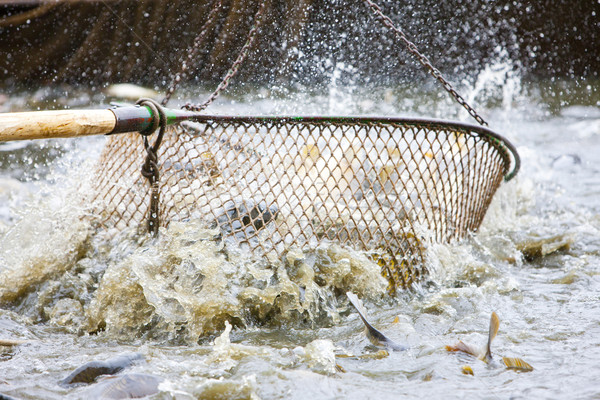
[214, 321]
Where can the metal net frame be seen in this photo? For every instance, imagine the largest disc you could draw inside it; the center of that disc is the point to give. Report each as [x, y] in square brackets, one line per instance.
[387, 186]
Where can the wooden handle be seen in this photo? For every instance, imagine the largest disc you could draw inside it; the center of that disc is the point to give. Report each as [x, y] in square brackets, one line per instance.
[55, 124]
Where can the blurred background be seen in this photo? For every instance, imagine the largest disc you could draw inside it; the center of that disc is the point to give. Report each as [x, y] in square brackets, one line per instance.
[143, 41]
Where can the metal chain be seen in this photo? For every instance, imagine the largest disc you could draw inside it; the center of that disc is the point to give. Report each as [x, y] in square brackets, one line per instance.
[236, 65]
[150, 169]
[189, 59]
[425, 62]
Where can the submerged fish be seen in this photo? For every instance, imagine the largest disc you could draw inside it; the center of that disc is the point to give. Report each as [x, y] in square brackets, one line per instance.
[485, 354]
[128, 386]
[368, 356]
[246, 216]
[376, 337]
[88, 372]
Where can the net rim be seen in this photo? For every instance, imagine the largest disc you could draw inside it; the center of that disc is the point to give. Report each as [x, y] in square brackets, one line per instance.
[513, 159]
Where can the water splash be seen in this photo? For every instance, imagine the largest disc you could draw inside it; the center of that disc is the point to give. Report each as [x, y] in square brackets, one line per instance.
[341, 89]
[497, 85]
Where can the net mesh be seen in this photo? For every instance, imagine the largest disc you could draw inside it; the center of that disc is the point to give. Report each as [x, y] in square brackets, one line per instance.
[386, 186]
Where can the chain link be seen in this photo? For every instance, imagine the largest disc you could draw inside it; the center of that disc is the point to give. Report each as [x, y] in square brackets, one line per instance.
[236, 65]
[412, 48]
[433, 71]
[150, 168]
[189, 58]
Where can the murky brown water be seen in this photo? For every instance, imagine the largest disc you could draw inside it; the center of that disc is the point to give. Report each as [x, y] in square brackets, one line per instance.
[75, 297]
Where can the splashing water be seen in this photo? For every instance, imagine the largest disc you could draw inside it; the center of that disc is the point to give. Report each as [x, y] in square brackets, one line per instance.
[498, 84]
[214, 321]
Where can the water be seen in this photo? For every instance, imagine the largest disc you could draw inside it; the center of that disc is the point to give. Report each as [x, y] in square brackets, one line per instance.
[75, 297]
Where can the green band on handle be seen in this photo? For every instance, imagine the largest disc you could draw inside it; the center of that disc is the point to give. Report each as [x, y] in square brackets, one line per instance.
[139, 118]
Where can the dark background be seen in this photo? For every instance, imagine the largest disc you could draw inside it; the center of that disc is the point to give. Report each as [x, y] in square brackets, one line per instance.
[142, 41]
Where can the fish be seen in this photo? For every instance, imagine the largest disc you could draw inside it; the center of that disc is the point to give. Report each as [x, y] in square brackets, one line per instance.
[332, 174]
[368, 356]
[128, 386]
[310, 152]
[377, 338]
[241, 217]
[485, 354]
[88, 372]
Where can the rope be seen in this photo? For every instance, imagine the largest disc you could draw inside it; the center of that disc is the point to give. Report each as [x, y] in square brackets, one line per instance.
[150, 169]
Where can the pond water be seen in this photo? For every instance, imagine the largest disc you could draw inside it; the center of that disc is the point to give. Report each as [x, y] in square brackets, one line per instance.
[74, 297]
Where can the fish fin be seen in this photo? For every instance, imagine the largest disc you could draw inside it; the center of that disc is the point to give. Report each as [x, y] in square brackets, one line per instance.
[467, 370]
[494, 326]
[376, 337]
[362, 312]
[358, 305]
[516, 363]
[373, 334]
[464, 348]
[374, 356]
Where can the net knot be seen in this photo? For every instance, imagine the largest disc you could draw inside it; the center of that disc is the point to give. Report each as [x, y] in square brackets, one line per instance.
[150, 168]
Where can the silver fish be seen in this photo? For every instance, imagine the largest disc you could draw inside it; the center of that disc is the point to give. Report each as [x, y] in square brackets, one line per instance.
[376, 337]
[89, 372]
[128, 386]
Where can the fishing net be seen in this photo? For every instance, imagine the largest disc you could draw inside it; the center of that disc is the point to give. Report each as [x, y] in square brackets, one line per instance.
[387, 186]
[382, 185]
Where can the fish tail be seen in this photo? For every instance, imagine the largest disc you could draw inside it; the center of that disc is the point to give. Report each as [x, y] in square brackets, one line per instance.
[494, 326]
[517, 364]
